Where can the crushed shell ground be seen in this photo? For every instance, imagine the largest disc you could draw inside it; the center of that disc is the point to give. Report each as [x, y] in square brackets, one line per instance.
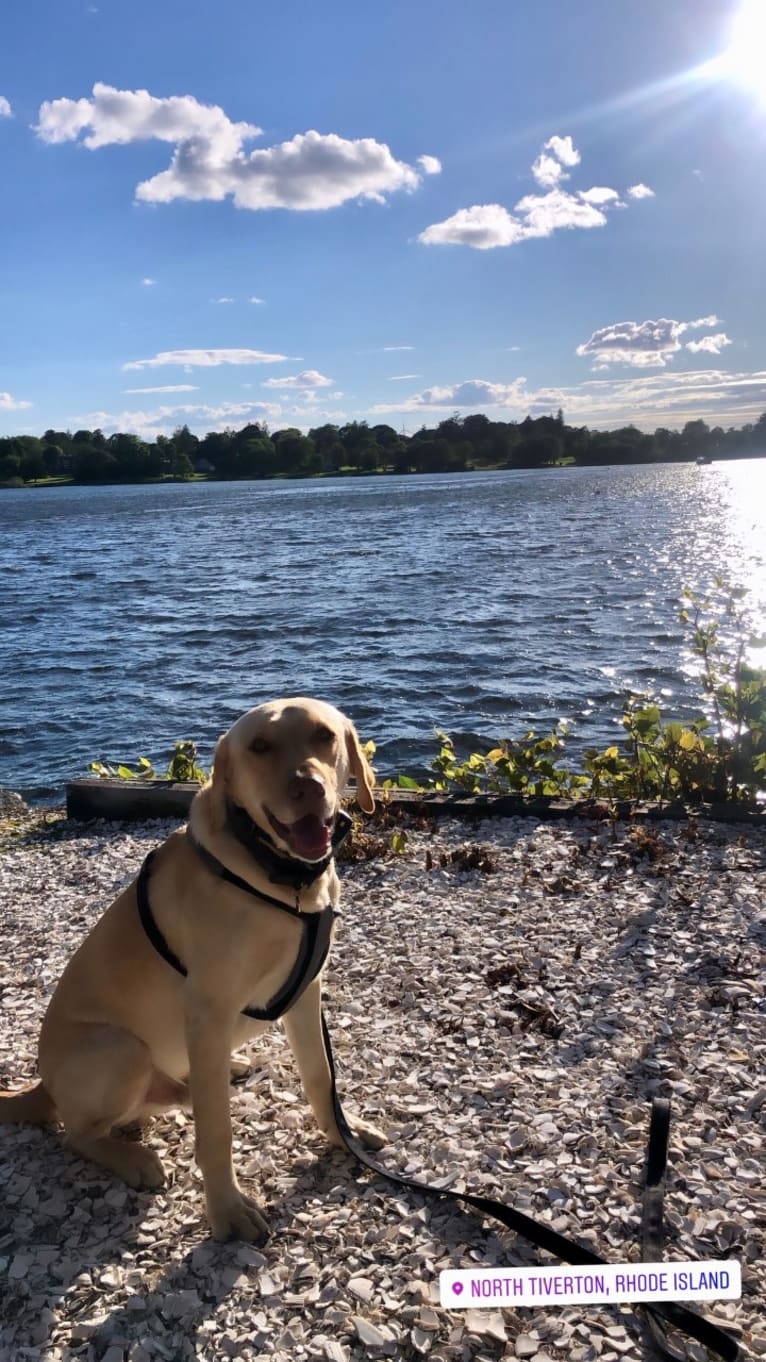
[505, 999]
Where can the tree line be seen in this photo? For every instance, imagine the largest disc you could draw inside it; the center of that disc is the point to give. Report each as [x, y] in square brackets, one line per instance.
[455, 444]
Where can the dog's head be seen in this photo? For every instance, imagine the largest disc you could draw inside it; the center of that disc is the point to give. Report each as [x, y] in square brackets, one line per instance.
[286, 763]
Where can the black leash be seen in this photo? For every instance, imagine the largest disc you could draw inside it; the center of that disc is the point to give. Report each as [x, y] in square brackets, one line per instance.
[311, 957]
[658, 1314]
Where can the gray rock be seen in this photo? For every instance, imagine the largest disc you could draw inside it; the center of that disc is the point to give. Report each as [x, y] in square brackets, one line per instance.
[12, 805]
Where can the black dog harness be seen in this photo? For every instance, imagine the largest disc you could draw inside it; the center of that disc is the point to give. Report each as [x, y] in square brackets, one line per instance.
[312, 953]
[317, 927]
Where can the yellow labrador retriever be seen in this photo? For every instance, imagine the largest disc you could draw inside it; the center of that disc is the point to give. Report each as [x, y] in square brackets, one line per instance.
[226, 928]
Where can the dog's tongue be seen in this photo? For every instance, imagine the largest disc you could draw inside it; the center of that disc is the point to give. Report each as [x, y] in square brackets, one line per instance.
[309, 838]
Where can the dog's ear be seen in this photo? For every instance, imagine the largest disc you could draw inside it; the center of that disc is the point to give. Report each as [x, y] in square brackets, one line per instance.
[361, 770]
[221, 760]
[219, 781]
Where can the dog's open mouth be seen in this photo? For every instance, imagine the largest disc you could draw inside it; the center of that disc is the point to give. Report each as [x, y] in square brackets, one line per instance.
[310, 838]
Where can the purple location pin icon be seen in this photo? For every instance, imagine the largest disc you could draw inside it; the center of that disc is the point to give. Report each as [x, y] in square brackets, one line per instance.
[457, 1287]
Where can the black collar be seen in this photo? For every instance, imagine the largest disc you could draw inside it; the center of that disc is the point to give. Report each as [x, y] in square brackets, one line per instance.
[281, 869]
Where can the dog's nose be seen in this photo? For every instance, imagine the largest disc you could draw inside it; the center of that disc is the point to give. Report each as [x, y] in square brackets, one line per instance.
[306, 785]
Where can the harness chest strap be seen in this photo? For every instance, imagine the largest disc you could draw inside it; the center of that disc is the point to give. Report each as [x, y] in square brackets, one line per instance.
[312, 949]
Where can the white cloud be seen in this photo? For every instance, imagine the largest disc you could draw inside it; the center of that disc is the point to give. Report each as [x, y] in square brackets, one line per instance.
[488, 225]
[308, 378]
[549, 170]
[165, 388]
[307, 416]
[222, 300]
[398, 347]
[649, 344]
[485, 226]
[148, 283]
[5, 108]
[312, 171]
[662, 399]
[210, 162]
[564, 150]
[472, 393]
[482, 226]
[398, 378]
[430, 165]
[205, 359]
[254, 299]
[9, 403]
[121, 116]
[709, 345]
[599, 194]
[163, 420]
[641, 191]
[670, 399]
[545, 214]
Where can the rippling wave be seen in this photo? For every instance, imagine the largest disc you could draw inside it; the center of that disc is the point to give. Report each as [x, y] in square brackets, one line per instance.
[481, 604]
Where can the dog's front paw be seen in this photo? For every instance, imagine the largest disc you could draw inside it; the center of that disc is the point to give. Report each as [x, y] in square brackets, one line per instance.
[239, 1068]
[237, 1218]
[368, 1136]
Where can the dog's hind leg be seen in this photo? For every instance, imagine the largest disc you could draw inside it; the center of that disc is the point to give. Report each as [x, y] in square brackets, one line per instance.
[32, 1103]
[101, 1077]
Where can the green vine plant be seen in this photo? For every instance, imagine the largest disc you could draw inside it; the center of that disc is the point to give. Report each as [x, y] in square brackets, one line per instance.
[714, 757]
[719, 755]
[182, 767]
[734, 689]
[528, 766]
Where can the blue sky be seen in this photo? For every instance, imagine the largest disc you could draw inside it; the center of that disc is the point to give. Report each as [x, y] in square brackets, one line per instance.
[222, 212]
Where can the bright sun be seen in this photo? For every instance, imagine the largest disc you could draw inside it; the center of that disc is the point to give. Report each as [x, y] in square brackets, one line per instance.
[745, 58]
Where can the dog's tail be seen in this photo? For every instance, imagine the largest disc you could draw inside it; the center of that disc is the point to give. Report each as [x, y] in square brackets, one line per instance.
[32, 1103]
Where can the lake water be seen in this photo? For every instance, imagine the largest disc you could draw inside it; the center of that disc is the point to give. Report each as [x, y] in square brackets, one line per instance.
[479, 603]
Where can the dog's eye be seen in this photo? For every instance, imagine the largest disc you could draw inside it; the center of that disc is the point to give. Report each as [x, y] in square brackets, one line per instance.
[325, 735]
[259, 746]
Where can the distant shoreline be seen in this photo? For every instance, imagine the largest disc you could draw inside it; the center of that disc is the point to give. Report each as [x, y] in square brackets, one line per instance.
[18, 485]
[458, 444]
